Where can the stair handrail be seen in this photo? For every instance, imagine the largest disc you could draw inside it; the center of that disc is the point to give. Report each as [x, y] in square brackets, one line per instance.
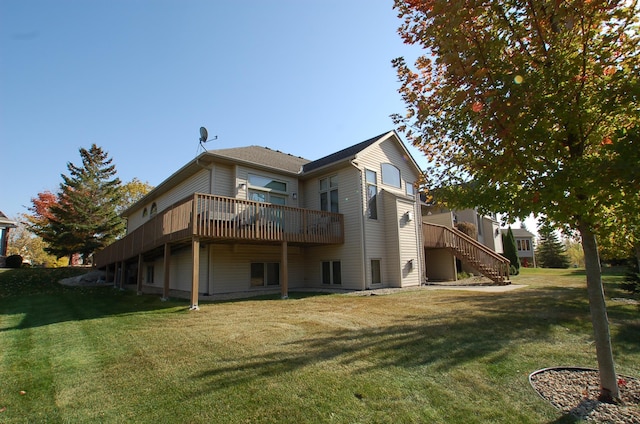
[503, 269]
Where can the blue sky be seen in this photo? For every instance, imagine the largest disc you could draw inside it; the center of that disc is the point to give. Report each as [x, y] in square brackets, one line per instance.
[139, 77]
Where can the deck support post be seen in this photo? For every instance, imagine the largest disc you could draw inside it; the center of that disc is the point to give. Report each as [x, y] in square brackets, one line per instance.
[107, 277]
[195, 275]
[140, 274]
[123, 274]
[284, 282]
[167, 271]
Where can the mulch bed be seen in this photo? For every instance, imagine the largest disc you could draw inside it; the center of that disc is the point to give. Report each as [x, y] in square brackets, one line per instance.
[575, 391]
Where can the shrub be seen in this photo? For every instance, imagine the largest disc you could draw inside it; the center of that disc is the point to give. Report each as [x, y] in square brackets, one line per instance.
[468, 228]
[14, 261]
[632, 278]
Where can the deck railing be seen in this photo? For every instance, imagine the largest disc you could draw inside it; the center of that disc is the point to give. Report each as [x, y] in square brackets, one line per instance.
[220, 218]
[485, 260]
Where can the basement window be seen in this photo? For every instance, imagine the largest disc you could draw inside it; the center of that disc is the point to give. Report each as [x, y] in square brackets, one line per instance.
[265, 274]
[331, 272]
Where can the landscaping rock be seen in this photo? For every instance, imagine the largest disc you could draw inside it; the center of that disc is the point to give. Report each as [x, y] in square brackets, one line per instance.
[575, 391]
[93, 279]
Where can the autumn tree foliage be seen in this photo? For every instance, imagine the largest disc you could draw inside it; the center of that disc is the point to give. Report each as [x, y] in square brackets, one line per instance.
[82, 217]
[532, 101]
[43, 223]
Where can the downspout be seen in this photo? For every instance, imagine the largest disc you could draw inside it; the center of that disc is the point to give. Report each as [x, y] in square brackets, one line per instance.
[362, 234]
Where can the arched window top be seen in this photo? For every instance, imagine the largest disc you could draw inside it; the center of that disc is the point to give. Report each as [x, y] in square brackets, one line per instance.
[154, 209]
[144, 212]
[390, 175]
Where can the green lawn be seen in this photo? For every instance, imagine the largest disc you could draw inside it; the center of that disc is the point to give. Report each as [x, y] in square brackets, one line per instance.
[77, 355]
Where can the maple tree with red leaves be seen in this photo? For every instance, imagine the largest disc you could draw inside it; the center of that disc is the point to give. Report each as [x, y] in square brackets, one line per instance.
[530, 107]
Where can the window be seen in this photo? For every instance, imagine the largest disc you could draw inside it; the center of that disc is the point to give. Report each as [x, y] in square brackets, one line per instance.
[372, 192]
[150, 275]
[265, 274]
[154, 210]
[267, 190]
[390, 175]
[523, 244]
[479, 219]
[144, 212]
[331, 272]
[376, 275]
[268, 183]
[410, 188]
[329, 194]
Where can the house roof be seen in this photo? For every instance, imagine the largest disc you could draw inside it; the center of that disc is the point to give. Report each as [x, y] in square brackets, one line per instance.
[518, 232]
[262, 157]
[348, 153]
[6, 222]
[265, 156]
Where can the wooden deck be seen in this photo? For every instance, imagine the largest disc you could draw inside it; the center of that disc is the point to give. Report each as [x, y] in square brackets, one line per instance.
[220, 219]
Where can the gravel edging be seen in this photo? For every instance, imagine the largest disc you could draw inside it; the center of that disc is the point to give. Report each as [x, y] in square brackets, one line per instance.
[575, 391]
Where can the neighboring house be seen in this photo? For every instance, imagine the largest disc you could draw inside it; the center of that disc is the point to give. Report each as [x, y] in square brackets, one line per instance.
[251, 219]
[5, 225]
[444, 262]
[524, 246]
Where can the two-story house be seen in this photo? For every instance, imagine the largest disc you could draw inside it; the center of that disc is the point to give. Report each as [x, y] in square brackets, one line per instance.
[251, 219]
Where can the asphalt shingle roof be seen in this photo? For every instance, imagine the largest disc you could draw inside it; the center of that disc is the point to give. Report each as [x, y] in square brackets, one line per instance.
[263, 156]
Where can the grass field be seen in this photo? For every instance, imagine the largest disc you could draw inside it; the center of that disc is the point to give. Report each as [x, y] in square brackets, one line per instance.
[76, 355]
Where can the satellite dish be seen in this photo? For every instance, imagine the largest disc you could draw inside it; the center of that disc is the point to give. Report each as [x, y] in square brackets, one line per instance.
[204, 135]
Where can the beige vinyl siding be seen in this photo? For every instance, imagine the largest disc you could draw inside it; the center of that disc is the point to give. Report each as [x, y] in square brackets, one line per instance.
[223, 180]
[179, 270]
[445, 218]
[391, 273]
[388, 151]
[230, 266]
[350, 253]
[441, 265]
[197, 183]
[135, 219]
[409, 243]
[383, 239]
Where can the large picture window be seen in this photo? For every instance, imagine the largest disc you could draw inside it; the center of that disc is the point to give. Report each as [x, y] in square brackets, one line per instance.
[267, 190]
[329, 194]
[390, 175]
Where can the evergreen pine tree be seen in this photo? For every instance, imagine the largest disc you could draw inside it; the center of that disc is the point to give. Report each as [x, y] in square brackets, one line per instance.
[511, 252]
[551, 252]
[85, 217]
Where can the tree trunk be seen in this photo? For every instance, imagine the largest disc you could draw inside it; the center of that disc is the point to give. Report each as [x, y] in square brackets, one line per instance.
[637, 248]
[608, 380]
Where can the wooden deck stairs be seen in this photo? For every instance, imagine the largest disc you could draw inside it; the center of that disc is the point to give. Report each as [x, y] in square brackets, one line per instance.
[489, 263]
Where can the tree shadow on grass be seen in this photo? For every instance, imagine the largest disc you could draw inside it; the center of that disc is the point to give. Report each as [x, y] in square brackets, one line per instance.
[442, 341]
[485, 330]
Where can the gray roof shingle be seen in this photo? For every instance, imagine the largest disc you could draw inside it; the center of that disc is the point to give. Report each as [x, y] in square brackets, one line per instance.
[263, 156]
